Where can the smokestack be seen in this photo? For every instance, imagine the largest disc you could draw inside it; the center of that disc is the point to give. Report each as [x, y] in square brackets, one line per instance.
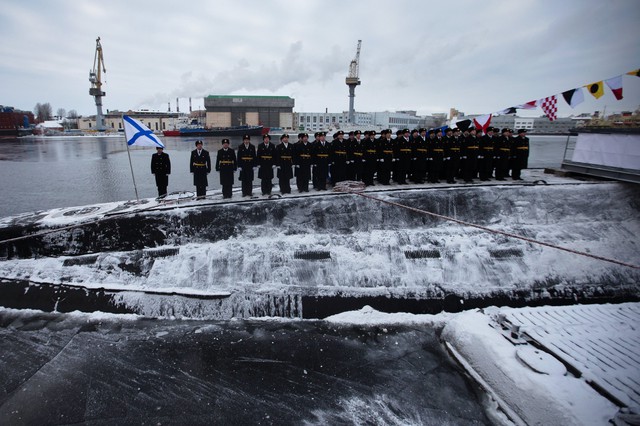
[189, 105]
[169, 106]
[177, 105]
[326, 110]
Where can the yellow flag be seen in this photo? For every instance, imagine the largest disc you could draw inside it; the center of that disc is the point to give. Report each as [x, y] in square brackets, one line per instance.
[635, 72]
[596, 89]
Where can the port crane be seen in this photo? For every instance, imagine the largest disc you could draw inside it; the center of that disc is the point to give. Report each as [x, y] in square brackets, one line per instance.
[353, 80]
[95, 77]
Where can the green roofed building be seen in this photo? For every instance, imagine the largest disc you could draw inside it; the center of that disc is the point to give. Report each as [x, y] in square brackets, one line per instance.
[232, 110]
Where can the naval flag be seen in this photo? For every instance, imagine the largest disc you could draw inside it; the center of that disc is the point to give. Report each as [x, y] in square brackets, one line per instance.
[574, 97]
[482, 122]
[615, 84]
[139, 134]
[528, 105]
[463, 125]
[550, 107]
[595, 89]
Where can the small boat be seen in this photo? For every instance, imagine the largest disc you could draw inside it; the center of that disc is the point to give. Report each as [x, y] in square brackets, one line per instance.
[216, 131]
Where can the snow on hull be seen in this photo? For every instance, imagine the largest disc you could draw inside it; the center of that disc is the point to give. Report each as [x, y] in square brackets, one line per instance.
[342, 248]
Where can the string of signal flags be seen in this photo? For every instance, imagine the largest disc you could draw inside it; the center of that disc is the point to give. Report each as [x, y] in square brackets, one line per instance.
[549, 105]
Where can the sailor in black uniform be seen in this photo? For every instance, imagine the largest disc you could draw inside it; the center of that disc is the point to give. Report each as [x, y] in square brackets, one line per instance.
[436, 154]
[200, 166]
[470, 149]
[519, 154]
[420, 154]
[246, 161]
[266, 160]
[320, 158]
[403, 153]
[502, 154]
[452, 151]
[226, 165]
[385, 159]
[485, 156]
[338, 156]
[355, 151]
[370, 157]
[302, 162]
[161, 168]
[284, 162]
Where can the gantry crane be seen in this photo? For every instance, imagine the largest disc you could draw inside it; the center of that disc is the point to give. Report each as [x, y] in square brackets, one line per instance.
[95, 77]
[353, 80]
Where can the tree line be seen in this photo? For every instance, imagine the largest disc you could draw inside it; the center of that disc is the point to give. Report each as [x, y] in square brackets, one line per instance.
[44, 112]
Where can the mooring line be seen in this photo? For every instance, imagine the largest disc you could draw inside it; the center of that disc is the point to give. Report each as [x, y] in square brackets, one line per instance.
[351, 188]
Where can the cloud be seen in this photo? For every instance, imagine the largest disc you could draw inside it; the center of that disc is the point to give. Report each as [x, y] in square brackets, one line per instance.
[415, 55]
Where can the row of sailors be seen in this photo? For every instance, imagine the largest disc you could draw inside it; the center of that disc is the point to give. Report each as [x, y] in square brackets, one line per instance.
[414, 156]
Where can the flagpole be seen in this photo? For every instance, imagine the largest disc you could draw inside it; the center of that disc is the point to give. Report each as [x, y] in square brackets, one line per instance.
[131, 165]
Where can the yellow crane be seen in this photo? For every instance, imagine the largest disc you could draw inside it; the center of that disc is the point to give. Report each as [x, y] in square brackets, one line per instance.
[95, 77]
[353, 80]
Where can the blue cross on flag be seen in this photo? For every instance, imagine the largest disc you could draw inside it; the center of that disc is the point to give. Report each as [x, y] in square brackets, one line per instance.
[139, 134]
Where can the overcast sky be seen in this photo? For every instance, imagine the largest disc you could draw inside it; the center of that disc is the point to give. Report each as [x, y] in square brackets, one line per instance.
[476, 56]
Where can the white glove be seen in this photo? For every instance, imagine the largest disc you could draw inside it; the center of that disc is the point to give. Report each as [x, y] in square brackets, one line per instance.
[364, 161]
[481, 157]
[381, 160]
[464, 157]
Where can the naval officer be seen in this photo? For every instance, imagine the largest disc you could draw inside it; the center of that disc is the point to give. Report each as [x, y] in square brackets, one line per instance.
[284, 162]
[226, 164]
[302, 161]
[266, 153]
[246, 161]
[161, 168]
[519, 154]
[200, 166]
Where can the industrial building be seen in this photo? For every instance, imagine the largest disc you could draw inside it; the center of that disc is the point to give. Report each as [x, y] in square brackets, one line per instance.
[231, 110]
[154, 120]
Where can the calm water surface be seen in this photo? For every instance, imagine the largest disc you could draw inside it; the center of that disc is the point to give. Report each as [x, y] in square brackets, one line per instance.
[45, 173]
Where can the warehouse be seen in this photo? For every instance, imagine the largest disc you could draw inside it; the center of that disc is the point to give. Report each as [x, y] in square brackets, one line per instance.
[268, 111]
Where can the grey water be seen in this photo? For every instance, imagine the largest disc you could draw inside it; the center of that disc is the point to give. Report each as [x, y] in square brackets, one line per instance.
[54, 172]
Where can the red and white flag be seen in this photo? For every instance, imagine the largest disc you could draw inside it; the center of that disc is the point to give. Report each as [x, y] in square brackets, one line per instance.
[549, 106]
[528, 105]
[482, 122]
[615, 84]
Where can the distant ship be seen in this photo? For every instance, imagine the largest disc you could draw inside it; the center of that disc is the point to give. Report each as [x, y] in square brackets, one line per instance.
[217, 131]
[15, 122]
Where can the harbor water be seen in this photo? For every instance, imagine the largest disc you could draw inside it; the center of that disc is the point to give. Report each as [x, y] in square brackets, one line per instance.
[52, 172]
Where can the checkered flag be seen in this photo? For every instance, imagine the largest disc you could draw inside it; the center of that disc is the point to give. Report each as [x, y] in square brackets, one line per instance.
[550, 107]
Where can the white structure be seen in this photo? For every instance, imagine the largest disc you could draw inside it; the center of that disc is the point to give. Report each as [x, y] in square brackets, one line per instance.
[524, 123]
[317, 121]
[397, 120]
